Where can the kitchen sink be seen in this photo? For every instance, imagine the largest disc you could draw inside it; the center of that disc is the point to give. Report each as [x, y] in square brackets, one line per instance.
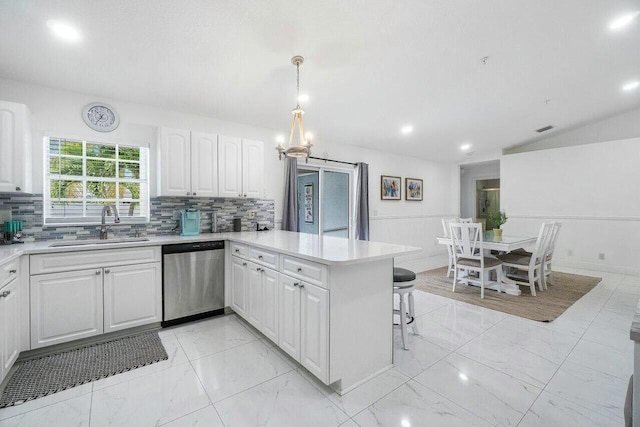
[98, 241]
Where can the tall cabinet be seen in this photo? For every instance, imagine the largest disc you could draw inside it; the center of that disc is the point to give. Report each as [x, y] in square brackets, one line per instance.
[241, 167]
[188, 163]
[15, 147]
[206, 165]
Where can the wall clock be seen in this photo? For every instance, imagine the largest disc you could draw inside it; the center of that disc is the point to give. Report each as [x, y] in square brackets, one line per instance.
[101, 117]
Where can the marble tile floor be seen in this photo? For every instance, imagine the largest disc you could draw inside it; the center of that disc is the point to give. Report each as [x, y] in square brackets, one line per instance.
[469, 367]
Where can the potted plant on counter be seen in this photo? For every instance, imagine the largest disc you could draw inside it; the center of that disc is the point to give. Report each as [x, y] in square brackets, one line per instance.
[497, 219]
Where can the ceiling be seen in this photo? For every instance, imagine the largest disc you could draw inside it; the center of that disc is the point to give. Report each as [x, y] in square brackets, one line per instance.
[371, 66]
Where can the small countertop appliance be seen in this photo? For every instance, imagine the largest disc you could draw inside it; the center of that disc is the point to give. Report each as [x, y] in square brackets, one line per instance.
[189, 222]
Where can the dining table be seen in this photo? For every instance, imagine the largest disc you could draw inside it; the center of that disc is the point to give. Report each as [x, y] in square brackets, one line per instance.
[503, 244]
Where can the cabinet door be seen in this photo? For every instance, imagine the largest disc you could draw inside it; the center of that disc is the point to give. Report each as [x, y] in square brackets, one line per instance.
[132, 296]
[175, 162]
[10, 326]
[15, 148]
[289, 336]
[270, 304]
[254, 287]
[65, 306]
[229, 167]
[314, 319]
[252, 168]
[239, 286]
[204, 164]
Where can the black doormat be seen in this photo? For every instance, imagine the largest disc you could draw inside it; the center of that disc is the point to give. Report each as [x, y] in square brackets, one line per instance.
[57, 372]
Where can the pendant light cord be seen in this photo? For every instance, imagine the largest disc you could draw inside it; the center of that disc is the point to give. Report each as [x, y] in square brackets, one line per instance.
[298, 85]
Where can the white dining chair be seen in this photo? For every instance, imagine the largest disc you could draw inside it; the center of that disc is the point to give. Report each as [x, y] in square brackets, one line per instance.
[445, 227]
[530, 264]
[545, 268]
[469, 257]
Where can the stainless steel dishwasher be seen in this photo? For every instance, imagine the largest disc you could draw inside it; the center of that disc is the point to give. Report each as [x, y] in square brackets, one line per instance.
[192, 281]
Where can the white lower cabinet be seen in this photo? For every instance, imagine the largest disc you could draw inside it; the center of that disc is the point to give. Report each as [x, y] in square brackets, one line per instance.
[82, 303]
[66, 306]
[132, 296]
[289, 339]
[262, 304]
[254, 288]
[9, 326]
[239, 278]
[304, 324]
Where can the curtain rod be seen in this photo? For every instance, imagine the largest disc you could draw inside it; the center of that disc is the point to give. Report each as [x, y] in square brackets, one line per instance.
[334, 161]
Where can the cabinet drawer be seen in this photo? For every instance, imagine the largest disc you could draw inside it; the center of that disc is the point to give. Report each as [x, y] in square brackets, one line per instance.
[239, 250]
[70, 261]
[8, 272]
[306, 270]
[264, 257]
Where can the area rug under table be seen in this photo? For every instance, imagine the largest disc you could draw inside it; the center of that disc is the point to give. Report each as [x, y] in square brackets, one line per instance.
[564, 289]
[53, 373]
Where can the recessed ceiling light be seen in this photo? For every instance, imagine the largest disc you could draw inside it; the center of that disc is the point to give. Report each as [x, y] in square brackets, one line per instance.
[406, 129]
[623, 21]
[628, 87]
[465, 147]
[463, 377]
[64, 31]
[303, 98]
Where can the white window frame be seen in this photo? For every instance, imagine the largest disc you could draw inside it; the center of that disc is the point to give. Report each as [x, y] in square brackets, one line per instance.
[90, 220]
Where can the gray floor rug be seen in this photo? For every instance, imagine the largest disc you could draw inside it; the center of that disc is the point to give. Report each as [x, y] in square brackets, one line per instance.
[53, 373]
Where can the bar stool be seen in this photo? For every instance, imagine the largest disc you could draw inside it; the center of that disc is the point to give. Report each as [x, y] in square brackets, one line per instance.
[404, 283]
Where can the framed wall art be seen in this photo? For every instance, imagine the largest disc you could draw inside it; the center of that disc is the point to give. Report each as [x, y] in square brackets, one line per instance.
[390, 187]
[413, 189]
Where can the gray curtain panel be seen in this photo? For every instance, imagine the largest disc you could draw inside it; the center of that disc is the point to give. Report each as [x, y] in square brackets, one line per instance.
[362, 201]
[290, 205]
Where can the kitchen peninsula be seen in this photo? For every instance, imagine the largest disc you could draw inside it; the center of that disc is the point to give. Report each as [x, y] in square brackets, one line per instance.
[326, 301]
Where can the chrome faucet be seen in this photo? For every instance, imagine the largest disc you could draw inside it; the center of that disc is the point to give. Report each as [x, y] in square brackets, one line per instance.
[107, 210]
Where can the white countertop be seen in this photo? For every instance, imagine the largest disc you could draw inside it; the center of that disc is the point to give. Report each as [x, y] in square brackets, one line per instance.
[325, 250]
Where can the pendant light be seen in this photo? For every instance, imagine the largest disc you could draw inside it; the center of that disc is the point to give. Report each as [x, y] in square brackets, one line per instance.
[301, 148]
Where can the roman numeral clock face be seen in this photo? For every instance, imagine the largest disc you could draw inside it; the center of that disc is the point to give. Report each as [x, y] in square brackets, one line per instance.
[100, 117]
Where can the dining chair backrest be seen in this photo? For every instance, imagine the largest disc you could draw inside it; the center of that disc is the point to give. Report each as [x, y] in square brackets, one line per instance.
[540, 249]
[445, 225]
[466, 239]
[466, 220]
[553, 238]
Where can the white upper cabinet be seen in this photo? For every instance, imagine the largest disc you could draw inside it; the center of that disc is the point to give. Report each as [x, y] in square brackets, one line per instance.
[252, 168]
[230, 166]
[15, 148]
[175, 162]
[188, 163]
[204, 164]
[240, 167]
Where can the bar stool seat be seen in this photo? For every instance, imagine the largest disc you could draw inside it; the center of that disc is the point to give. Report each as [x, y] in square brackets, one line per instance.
[404, 284]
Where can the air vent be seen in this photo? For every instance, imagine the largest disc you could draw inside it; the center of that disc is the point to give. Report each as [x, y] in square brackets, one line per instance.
[544, 129]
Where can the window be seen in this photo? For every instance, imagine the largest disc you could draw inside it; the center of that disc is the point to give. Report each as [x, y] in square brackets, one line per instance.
[83, 176]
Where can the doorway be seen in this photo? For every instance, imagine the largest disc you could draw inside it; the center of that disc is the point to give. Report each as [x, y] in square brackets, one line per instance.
[480, 191]
[324, 200]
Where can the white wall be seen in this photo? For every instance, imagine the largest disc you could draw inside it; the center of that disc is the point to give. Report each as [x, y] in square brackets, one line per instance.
[620, 126]
[591, 188]
[469, 174]
[57, 112]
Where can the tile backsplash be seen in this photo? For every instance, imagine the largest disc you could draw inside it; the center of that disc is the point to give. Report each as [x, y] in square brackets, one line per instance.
[164, 217]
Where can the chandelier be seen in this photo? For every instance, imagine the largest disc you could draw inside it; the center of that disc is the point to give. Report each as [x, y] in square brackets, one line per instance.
[301, 148]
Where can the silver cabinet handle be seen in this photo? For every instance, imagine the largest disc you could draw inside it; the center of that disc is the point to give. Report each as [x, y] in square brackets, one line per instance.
[107, 271]
[245, 195]
[301, 285]
[239, 195]
[296, 284]
[244, 264]
[5, 294]
[194, 194]
[18, 189]
[299, 270]
[259, 256]
[12, 271]
[237, 250]
[188, 193]
[98, 272]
